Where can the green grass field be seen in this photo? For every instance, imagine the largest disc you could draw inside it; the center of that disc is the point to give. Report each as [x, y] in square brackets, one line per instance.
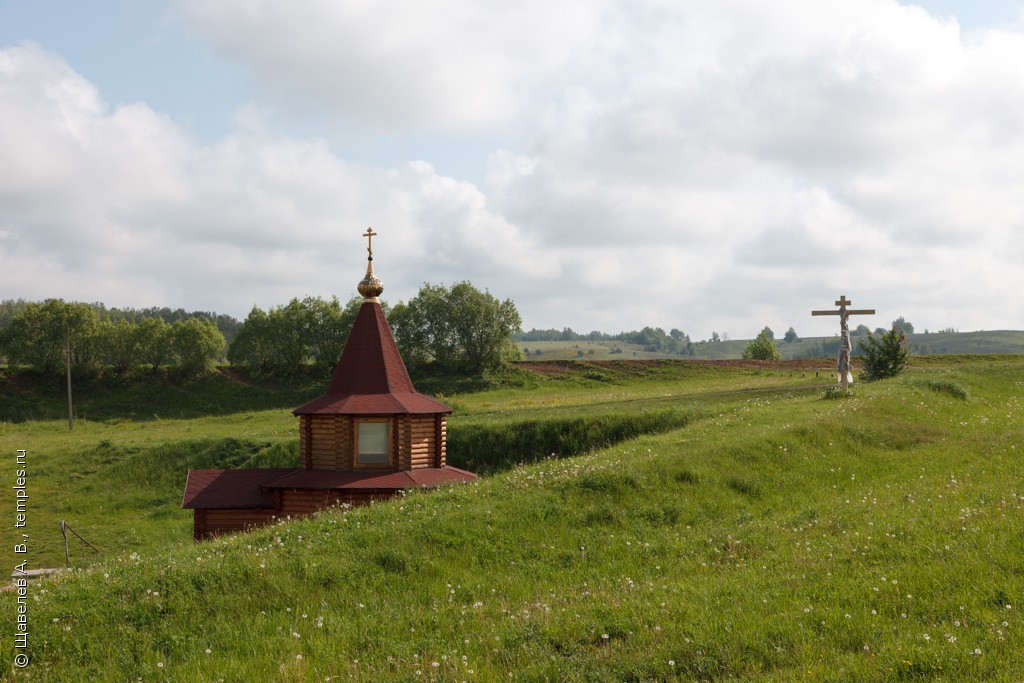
[731, 524]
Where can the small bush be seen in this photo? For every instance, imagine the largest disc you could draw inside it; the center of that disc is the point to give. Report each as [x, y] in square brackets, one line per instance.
[946, 386]
[763, 347]
[743, 487]
[835, 393]
[885, 356]
[686, 477]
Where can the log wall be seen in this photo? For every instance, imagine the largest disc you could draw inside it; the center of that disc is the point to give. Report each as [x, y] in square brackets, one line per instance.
[323, 455]
[305, 455]
[330, 441]
[302, 503]
[423, 442]
[400, 442]
[327, 442]
[209, 523]
[345, 442]
[441, 421]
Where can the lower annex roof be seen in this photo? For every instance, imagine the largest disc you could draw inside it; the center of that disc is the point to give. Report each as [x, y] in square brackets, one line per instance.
[254, 488]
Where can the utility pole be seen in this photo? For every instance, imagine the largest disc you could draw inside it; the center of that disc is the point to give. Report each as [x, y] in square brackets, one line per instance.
[67, 371]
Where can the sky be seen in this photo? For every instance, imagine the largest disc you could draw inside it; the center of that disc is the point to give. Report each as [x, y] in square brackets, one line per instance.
[711, 167]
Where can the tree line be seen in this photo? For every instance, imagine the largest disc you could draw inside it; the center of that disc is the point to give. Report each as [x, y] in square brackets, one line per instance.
[651, 339]
[36, 335]
[764, 347]
[442, 330]
[228, 325]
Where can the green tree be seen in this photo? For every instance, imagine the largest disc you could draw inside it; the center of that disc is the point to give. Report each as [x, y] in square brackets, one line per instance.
[9, 310]
[36, 337]
[287, 336]
[155, 342]
[768, 331]
[460, 329]
[762, 347]
[197, 345]
[120, 345]
[324, 328]
[901, 324]
[884, 356]
[791, 336]
[271, 342]
[281, 341]
[251, 346]
[653, 339]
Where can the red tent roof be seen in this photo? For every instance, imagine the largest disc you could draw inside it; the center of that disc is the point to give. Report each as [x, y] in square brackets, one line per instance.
[371, 378]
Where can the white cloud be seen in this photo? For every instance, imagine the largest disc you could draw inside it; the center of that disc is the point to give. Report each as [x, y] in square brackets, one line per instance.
[445, 64]
[707, 166]
[130, 211]
[842, 147]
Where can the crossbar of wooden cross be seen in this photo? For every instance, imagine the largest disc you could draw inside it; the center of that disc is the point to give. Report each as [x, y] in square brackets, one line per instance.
[843, 303]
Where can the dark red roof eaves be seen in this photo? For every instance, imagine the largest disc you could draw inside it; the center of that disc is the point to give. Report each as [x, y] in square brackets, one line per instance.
[372, 479]
[231, 488]
[254, 488]
[371, 377]
[372, 404]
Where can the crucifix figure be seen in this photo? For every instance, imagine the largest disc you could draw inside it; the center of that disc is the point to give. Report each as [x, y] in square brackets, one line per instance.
[369, 235]
[845, 376]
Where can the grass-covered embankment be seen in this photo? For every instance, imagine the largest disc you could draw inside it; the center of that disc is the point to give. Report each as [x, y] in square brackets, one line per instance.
[782, 537]
[119, 482]
[26, 396]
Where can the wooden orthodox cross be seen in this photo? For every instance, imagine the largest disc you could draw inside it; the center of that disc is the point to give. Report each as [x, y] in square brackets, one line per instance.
[845, 376]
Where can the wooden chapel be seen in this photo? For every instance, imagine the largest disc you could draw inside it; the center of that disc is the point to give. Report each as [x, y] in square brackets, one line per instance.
[369, 437]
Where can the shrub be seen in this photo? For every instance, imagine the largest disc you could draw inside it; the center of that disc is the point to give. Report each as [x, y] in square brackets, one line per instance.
[946, 386]
[762, 347]
[885, 356]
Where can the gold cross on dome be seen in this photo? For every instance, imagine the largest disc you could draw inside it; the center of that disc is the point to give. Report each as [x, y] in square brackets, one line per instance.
[369, 235]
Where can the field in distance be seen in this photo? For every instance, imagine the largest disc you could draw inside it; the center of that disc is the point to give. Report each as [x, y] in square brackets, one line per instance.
[996, 341]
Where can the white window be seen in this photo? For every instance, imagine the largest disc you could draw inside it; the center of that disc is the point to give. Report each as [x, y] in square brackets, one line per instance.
[372, 443]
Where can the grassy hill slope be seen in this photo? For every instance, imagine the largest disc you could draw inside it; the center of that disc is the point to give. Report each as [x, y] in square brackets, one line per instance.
[25, 396]
[777, 536]
[119, 482]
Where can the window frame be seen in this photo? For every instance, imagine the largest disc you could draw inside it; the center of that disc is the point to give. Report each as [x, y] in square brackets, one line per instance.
[388, 460]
